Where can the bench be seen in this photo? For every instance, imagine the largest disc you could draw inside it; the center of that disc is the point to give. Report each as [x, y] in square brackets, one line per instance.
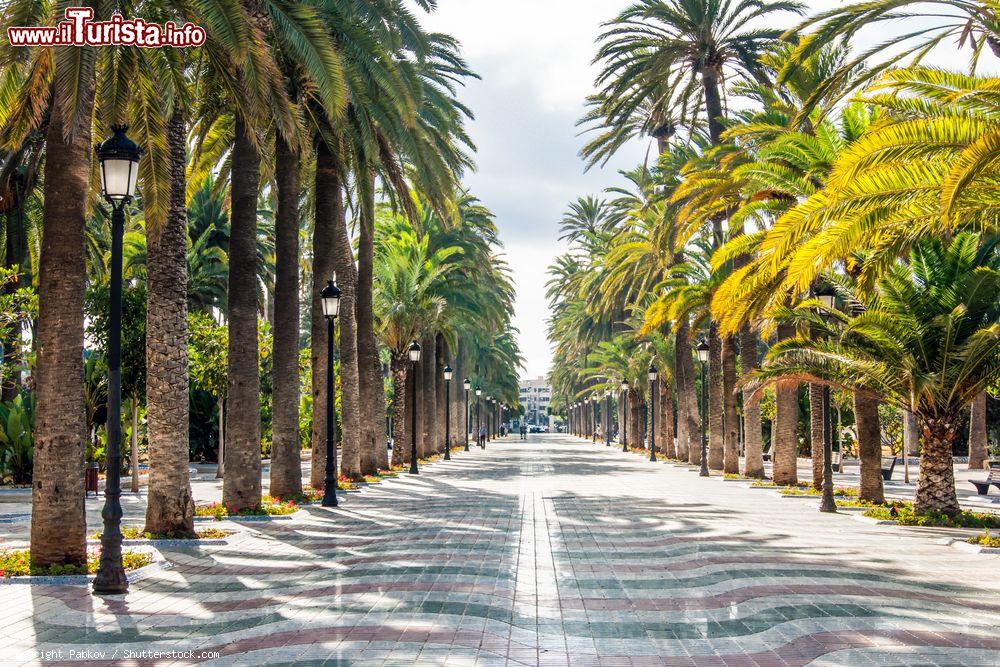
[887, 468]
[992, 479]
[766, 454]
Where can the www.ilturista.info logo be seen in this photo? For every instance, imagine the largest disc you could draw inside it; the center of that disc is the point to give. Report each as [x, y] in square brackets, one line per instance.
[80, 30]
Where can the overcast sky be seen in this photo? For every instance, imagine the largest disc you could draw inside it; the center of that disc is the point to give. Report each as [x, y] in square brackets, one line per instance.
[534, 59]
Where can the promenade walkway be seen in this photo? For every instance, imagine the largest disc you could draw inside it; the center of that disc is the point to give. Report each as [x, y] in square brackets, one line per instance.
[551, 551]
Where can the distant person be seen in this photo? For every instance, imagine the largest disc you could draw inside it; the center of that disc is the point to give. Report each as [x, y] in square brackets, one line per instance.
[524, 431]
[482, 437]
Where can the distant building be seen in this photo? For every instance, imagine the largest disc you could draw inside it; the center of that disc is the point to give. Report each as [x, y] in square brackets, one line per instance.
[535, 396]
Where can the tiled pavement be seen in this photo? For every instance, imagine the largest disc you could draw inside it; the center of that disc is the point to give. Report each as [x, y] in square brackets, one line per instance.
[550, 551]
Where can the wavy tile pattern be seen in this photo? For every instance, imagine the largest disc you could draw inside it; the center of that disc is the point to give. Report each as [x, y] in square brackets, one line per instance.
[550, 551]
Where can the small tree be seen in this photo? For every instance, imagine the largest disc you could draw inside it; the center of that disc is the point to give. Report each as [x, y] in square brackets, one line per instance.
[208, 342]
[926, 339]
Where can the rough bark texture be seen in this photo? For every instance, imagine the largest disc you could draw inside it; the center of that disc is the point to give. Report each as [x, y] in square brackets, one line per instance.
[753, 464]
[936, 485]
[400, 415]
[241, 486]
[170, 506]
[350, 403]
[978, 451]
[665, 417]
[428, 395]
[716, 411]
[417, 376]
[440, 354]
[369, 369]
[731, 435]
[286, 470]
[869, 448]
[688, 420]
[784, 450]
[635, 418]
[381, 453]
[816, 436]
[58, 523]
[329, 204]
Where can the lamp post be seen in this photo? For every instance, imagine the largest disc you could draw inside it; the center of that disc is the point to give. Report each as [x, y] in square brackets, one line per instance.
[702, 350]
[466, 386]
[624, 388]
[330, 298]
[414, 353]
[653, 377]
[479, 418]
[828, 298]
[447, 412]
[119, 158]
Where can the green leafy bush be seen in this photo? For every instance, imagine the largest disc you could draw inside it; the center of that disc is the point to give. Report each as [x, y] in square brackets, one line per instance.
[904, 514]
[17, 443]
[986, 540]
[17, 563]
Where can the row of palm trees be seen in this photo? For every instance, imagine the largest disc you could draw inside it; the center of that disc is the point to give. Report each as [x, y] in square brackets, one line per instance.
[836, 177]
[314, 108]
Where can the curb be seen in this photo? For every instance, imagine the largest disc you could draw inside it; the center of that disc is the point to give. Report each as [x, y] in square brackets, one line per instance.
[875, 522]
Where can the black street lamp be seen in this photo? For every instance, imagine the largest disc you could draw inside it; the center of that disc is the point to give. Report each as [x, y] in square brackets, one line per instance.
[447, 413]
[414, 352]
[119, 157]
[330, 298]
[624, 388]
[467, 385]
[653, 377]
[480, 438]
[702, 350]
[828, 297]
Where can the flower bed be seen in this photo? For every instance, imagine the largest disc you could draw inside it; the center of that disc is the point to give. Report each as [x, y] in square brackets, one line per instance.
[137, 533]
[903, 514]
[266, 508]
[17, 563]
[839, 491]
[986, 540]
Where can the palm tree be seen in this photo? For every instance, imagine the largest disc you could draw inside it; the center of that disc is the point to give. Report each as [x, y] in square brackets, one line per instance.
[926, 339]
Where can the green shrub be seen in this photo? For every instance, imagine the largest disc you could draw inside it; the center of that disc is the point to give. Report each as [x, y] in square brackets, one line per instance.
[986, 540]
[17, 563]
[268, 507]
[903, 513]
[17, 444]
[137, 533]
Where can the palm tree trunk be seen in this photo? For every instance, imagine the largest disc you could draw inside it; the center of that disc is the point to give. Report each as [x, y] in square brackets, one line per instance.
[665, 427]
[634, 418]
[869, 431]
[785, 438]
[400, 443]
[688, 424]
[441, 354]
[328, 211]
[369, 370]
[428, 362]
[936, 485]
[241, 487]
[134, 445]
[58, 522]
[417, 377]
[816, 435]
[350, 401]
[753, 465]
[731, 436]
[716, 412]
[286, 465]
[978, 450]
[381, 453]
[713, 104]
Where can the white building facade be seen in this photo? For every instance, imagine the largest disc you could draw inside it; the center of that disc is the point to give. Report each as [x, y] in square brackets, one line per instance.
[535, 396]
